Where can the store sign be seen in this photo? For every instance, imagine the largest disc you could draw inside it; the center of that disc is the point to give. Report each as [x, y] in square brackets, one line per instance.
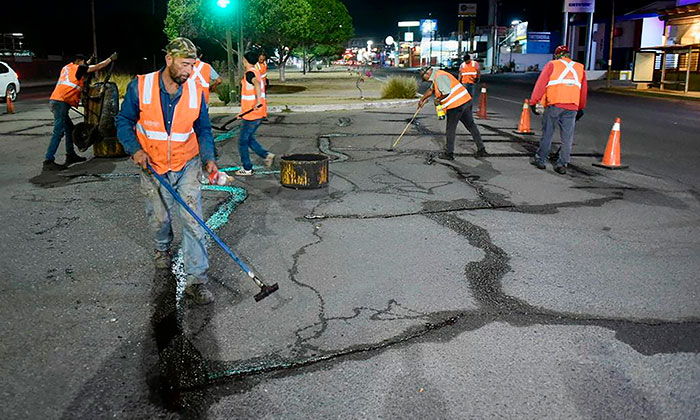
[521, 31]
[428, 25]
[579, 6]
[466, 10]
[408, 36]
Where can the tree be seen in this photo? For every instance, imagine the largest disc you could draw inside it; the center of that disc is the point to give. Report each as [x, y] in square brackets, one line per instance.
[330, 25]
[280, 25]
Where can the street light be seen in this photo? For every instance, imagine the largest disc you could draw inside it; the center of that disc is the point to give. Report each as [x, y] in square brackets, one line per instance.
[225, 10]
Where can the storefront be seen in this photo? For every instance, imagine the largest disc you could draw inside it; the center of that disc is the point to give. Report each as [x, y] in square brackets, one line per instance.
[676, 63]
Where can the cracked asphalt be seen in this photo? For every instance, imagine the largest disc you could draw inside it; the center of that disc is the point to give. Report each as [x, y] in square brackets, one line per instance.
[410, 288]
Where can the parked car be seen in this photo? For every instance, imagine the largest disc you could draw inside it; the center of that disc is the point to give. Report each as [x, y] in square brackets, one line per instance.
[9, 82]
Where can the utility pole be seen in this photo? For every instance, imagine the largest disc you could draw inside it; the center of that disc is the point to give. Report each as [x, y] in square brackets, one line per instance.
[612, 38]
[240, 37]
[94, 30]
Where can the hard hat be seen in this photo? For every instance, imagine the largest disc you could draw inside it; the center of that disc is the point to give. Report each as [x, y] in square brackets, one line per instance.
[562, 49]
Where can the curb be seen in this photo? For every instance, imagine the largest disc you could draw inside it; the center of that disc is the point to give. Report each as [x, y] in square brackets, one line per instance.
[642, 94]
[316, 108]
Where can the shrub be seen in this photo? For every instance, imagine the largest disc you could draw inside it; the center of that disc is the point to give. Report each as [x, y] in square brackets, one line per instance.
[400, 87]
[224, 92]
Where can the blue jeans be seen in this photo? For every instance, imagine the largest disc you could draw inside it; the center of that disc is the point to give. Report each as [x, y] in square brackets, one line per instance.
[61, 124]
[160, 205]
[470, 88]
[566, 120]
[247, 141]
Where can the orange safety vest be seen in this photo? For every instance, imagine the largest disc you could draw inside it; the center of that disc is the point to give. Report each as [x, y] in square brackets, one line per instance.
[468, 72]
[68, 87]
[458, 94]
[248, 98]
[262, 68]
[168, 151]
[564, 86]
[201, 73]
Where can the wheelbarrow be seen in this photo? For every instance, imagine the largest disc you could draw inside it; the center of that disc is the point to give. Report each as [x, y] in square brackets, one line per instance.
[101, 105]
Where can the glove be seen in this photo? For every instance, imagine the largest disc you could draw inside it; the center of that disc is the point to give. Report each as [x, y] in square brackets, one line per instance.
[534, 109]
[113, 57]
[579, 114]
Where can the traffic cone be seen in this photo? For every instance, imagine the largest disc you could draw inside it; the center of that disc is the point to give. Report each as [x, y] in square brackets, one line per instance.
[10, 104]
[524, 125]
[482, 104]
[611, 157]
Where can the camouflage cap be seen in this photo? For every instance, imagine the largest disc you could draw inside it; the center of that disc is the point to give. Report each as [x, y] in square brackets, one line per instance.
[181, 47]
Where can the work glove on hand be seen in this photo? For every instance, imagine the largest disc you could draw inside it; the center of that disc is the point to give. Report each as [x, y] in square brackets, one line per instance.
[113, 57]
[534, 109]
[579, 114]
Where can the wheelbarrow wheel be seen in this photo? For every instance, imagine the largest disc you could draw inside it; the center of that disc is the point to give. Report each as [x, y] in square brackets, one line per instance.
[84, 135]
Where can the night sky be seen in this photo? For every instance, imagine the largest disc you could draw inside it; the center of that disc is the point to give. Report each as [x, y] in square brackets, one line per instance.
[131, 28]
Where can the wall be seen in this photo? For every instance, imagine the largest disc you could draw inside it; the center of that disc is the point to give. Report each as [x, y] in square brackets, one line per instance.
[523, 61]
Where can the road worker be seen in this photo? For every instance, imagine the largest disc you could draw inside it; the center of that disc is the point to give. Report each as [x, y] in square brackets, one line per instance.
[563, 83]
[457, 103]
[65, 95]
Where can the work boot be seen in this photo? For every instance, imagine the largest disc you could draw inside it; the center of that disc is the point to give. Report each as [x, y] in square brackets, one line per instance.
[481, 153]
[244, 172]
[446, 156]
[536, 163]
[199, 294]
[51, 165]
[74, 158]
[269, 160]
[560, 169]
[162, 260]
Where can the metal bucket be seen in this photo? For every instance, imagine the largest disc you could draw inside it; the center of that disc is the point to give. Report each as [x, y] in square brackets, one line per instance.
[304, 170]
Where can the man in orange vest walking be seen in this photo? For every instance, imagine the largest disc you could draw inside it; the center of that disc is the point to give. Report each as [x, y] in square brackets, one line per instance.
[205, 75]
[564, 86]
[457, 102]
[253, 110]
[164, 121]
[65, 95]
[469, 73]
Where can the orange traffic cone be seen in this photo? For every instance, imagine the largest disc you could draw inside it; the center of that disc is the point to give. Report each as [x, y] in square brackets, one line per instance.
[524, 125]
[611, 157]
[10, 104]
[482, 104]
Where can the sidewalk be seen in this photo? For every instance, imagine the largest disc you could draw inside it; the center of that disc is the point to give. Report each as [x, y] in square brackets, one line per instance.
[653, 93]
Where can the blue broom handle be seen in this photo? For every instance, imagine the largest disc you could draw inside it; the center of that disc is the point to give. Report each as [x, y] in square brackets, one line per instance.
[211, 233]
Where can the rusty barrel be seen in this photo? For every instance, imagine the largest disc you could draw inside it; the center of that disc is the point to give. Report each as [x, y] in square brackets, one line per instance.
[304, 170]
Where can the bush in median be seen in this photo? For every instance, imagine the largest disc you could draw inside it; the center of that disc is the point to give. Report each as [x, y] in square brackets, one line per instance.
[400, 87]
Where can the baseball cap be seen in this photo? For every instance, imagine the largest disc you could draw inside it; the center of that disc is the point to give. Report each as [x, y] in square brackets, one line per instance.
[181, 47]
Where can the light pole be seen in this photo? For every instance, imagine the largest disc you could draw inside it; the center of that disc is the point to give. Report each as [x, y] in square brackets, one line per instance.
[224, 5]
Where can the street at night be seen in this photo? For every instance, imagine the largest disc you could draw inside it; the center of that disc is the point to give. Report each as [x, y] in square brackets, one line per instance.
[415, 281]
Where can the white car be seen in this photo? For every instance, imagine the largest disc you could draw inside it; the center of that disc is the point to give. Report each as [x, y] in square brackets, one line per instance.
[9, 82]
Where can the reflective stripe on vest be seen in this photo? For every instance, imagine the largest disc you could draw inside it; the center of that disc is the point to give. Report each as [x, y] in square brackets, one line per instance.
[564, 85]
[197, 74]
[562, 80]
[262, 68]
[168, 151]
[458, 94]
[467, 72]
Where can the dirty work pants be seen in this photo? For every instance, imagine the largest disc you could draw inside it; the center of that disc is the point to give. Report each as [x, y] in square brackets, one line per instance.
[61, 124]
[566, 120]
[160, 207]
[462, 113]
[247, 141]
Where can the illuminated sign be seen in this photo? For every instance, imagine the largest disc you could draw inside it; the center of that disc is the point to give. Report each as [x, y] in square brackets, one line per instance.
[521, 31]
[428, 25]
[579, 6]
[408, 23]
